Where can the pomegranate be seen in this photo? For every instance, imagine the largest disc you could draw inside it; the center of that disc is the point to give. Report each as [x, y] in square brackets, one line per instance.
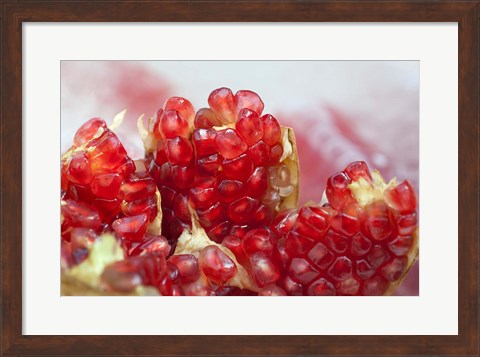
[228, 178]
[234, 167]
[361, 242]
[103, 190]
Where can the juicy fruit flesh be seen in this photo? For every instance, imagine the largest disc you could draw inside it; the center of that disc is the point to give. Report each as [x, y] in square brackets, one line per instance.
[226, 166]
[104, 191]
[346, 248]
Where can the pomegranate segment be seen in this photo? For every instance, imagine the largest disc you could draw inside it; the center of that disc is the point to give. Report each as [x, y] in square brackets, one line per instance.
[229, 164]
[360, 243]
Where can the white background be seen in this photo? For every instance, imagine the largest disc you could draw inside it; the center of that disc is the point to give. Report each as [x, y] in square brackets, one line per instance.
[433, 312]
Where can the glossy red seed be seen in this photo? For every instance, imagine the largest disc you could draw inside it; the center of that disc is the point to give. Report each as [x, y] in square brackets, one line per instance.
[78, 214]
[202, 198]
[239, 168]
[284, 222]
[128, 167]
[106, 185]
[290, 286]
[262, 216]
[143, 205]
[222, 103]
[337, 191]
[107, 153]
[264, 270]
[364, 270]
[241, 210]
[187, 265]
[401, 198]
[302, 271]
[206, 118]
[216, 265]
[183, 107]
[341, 269]
[357, 170]
[107, 208]
[217, 232]
[345, 224]
[276, 153]
[183, 176]
[321, 287]
[204, 142]
[249, 126]
[152, 244]
[257, 184]
[271, 129]
[78, 169]
[230, 190]
[350, 286]
[280, 255]
[374, 286]
[248, 99]
[394, 268]
[209, 165]
[171, 124]
[131, 228]
[377, 256]
[376, 221]
[179, 151]
[235, 245]
[401, 245]
[320, 256]
[230, 144]
[88, 130]
[258, 240]
[297, 244]
[180, 207]
[212, 215]
[316, 217]
[406, 223]
[336, 242]
[360, 245]
[136, 186]
[259, 153]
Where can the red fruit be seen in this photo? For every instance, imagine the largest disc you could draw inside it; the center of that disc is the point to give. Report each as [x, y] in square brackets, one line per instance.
[187, 265]
[216, 265]
[106, 185]
[222, 103]
[131, 228]
[249, 126]
[249, 100]
[78, 169]
[179, 150]
[264, 270]
[362, 243]
[172, 124]
[78, 215]
[152, 244]
[258, 240]
[228, 167]
[88, 130]
[125, 275]
[182, 106]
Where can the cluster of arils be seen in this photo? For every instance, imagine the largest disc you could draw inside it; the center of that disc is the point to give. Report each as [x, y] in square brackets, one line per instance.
[221, 185]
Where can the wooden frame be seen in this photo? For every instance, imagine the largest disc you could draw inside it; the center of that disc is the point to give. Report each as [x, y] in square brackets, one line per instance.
[14, 13]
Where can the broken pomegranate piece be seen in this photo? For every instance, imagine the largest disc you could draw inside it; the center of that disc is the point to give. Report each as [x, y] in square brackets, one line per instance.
[361, 242]
[229, 163]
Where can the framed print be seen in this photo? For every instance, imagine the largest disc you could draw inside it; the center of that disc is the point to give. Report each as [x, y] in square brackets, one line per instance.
[398, 83]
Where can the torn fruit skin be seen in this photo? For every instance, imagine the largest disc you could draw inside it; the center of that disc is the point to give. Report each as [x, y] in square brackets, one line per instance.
[361, 240]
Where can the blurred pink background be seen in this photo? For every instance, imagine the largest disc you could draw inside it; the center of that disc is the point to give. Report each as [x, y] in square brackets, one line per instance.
[341, 111]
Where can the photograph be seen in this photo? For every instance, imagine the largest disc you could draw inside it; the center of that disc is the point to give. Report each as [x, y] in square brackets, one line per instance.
[239, 178]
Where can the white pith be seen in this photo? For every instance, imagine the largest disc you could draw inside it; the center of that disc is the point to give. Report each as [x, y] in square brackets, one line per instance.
[192, 242]
[365, 192]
